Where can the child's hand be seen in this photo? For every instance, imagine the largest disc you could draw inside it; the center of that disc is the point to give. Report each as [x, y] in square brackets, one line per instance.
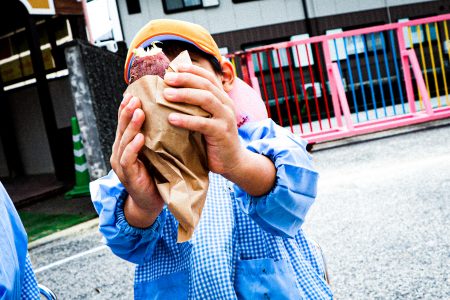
[198, 86]
[144, 202]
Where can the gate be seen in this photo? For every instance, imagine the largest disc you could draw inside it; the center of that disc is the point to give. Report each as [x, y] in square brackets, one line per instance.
[355, 82]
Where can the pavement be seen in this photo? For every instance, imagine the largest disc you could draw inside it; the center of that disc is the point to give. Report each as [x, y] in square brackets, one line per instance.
[381, 217]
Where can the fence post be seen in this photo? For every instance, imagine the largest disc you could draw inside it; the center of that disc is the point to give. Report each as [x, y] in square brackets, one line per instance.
[334, 93]
[244, 69]
[406, 71]
[252, 79]
[419, 79]
[339, 87]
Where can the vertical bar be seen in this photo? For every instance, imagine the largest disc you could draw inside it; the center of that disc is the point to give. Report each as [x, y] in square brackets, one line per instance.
[44, 95]
[406, 70]
[377, 68]
[350, 75]
[334, 100]
[433, 65]
[412, 47]
[275, 93]
[294, 87]
[446, 37]
[233, 62]
[283, 82]
[324, 90]
[424, 67]
[342, 97]
[441, 59]
[369, 74]
[251, 74]
[244, 69]
[361, 82]
[397, 73]
[266, 96]
[337, 56]
[388, 72]
[305, 94]
[419, 78]
[311, 73]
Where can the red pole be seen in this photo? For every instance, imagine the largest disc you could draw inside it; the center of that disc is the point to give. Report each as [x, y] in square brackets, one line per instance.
[324, 90]
[291, 73]
[308, 113]
[311, 73]
[269, 61]
[286, 97]
[263, 83]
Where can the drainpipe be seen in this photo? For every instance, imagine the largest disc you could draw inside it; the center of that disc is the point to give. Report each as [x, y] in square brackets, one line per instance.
[86, 21]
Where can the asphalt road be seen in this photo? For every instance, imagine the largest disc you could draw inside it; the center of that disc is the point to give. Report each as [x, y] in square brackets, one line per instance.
[382, 218]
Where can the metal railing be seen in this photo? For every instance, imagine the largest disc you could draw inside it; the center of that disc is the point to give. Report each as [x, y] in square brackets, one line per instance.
[354, 82]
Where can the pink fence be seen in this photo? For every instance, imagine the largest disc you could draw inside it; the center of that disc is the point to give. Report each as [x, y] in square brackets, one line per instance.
[355, 82]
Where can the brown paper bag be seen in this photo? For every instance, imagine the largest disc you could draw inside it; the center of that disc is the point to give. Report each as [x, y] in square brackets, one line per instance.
[176, 157]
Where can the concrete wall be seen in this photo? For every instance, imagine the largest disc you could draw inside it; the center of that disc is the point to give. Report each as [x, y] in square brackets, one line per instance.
[229, 16]
[321, 8]
[29, 125]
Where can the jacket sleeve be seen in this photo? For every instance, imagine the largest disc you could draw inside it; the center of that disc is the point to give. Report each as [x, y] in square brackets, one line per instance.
[13, 248]
[283, 209]
[133, 244]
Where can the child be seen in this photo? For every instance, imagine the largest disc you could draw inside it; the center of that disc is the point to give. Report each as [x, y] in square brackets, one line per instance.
[248, 243]
[17, 279]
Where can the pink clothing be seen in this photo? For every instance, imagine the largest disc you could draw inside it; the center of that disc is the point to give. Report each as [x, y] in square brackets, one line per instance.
[249, 106]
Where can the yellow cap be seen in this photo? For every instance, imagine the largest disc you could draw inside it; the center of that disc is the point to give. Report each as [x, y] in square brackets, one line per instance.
[166, 29]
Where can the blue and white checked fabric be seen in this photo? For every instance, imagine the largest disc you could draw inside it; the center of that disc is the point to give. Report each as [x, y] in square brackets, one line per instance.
[225, 235]
[30, 290]
[238, 238]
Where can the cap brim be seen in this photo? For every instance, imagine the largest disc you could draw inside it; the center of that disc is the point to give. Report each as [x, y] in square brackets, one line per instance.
[161, 38]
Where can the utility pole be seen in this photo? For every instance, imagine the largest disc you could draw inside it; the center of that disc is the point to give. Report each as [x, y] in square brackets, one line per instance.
[307, 19]
[388, 11]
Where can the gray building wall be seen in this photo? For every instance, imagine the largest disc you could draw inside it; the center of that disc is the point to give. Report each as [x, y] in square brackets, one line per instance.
[29, 126]
[229, 16]
[322, 8]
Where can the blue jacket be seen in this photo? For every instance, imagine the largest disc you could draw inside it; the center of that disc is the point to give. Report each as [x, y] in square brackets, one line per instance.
[17, 280]
[243, 248]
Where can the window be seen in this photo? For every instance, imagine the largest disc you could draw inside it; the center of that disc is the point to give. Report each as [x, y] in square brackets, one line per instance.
[263, 56]
[417, 34]
[134, 7]
[173, 6]
[15, 57]
[241, 1]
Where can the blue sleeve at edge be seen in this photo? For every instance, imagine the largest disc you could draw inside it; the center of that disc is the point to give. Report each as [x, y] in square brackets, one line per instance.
[282, 211]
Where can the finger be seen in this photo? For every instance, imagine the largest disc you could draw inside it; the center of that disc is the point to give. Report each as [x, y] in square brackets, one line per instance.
[196, 80]
[129, 159]
[189, 80]
[203, 125]
[126, 99]
[132, 130]
[202, 72]
[126, 114]
[202, 98]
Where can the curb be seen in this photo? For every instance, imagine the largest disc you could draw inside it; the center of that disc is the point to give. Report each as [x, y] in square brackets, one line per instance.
[63, 233]
[380, 135]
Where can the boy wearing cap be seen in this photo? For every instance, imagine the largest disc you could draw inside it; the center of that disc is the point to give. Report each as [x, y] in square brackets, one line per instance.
[248, 243]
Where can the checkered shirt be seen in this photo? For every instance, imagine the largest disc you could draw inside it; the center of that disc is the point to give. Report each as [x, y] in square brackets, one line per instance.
[30, 288]
[234, 230]
[224, 235]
